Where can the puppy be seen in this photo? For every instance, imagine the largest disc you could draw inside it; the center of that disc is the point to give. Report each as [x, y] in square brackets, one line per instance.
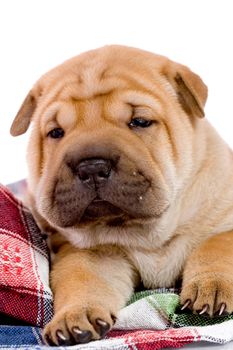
[133, 184]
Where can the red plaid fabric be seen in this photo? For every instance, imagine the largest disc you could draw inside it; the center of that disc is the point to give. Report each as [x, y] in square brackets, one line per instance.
[145, 339]
[24, 264]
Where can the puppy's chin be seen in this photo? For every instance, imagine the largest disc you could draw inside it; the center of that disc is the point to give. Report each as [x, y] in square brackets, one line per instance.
[71, 211]
[98, 212]
[100, 209]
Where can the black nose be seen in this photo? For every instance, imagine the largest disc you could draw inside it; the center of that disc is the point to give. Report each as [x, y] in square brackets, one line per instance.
[94, 171]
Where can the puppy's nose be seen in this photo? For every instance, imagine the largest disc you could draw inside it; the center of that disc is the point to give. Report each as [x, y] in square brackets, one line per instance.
[96, 170]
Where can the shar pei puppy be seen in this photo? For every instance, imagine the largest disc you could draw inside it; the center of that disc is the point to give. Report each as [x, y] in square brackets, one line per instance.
[132, 184]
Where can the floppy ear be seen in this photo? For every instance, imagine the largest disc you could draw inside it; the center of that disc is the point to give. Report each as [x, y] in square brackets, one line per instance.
[24, 115]
[190, 89]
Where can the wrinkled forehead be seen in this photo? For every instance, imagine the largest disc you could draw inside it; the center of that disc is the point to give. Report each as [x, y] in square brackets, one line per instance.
[101, 71]
[117, 106]
[119, 84]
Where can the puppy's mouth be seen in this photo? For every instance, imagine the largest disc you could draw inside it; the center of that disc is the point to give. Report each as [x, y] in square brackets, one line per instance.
[100, 208]
[102, 199]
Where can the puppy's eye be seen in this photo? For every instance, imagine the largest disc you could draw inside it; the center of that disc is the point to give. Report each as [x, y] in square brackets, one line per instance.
[140, 123]
[56, 133]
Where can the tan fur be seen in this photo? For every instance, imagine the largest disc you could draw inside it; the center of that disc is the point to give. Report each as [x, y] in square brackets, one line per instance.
[208, 275]
[173, 184]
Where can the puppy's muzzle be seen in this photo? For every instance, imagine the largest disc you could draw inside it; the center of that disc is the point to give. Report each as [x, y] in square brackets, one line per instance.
[98, 183]
[93, 172]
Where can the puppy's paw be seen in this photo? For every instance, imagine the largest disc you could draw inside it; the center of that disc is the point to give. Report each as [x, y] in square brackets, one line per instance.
[208, 294]
[77, 325]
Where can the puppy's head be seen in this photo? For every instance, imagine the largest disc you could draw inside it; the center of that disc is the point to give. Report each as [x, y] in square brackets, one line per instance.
[111, 141]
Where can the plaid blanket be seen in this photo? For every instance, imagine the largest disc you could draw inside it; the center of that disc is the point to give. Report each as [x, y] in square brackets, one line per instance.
[24, 270]
[151, 320]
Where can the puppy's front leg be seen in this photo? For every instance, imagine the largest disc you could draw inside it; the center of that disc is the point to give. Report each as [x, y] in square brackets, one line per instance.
[208, 277]
[90, 287]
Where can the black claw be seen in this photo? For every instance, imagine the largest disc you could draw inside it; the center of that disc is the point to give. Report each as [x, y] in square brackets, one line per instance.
[204, 310]
[222, 311]
[103, 327]
[186, 304]
[61, 339]
[81, 336]
[114, 318]
[48, 340]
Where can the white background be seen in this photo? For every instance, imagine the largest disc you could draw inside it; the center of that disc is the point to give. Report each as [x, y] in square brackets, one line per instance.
[37, 35]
